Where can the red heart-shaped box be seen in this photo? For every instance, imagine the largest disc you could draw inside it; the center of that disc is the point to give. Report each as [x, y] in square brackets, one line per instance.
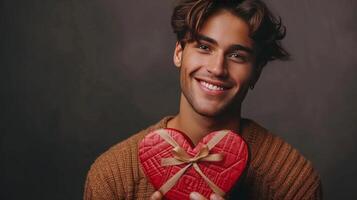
[224, 173]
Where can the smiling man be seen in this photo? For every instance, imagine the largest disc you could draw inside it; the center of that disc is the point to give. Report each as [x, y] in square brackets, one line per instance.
[222, 47]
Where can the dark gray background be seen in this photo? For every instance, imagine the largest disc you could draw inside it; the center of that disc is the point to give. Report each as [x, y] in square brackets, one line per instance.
[79, 76]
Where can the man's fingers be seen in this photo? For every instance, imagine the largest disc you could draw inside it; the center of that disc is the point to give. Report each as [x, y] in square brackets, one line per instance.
[215, 197]
[156, 196]
[196, 196]
[193, 196]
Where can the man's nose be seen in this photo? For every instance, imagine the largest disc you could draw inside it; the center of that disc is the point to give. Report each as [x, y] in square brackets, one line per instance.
[217, 65]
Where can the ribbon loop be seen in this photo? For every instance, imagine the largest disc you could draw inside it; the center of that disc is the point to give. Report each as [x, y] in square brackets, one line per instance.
[180, 156]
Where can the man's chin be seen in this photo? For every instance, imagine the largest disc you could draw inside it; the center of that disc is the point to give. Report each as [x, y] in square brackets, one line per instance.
[210, 113]
[218, 111]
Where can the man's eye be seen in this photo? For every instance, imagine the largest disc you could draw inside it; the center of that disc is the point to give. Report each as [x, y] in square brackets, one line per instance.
[203, 47]
[238, 57]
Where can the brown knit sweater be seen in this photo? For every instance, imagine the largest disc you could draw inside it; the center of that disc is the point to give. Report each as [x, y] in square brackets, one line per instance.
[276, 170]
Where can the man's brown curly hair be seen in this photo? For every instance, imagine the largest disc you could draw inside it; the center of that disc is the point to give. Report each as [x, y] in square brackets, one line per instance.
[266, 30]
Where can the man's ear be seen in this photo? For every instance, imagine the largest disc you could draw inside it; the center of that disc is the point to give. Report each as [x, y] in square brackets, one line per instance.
[178, 54]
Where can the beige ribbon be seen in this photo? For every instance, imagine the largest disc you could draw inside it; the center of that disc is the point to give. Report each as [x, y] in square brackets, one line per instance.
[180, 156]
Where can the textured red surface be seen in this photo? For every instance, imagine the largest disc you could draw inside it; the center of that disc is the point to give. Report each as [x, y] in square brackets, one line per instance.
[224, 173]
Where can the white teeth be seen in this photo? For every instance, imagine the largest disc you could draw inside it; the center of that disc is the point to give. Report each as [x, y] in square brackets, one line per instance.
[211, 86]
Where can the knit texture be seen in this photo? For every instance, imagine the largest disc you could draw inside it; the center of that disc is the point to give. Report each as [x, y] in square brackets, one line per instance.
[275, 170]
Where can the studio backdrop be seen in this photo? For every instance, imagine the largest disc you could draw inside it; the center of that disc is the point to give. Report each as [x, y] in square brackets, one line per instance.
[80, 76]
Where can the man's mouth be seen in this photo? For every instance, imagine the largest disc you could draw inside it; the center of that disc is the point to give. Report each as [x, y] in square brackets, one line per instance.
[211, 86]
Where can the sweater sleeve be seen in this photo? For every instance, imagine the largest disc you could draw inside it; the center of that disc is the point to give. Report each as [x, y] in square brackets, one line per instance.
[104, 182]
[116, 174]
[281, 172]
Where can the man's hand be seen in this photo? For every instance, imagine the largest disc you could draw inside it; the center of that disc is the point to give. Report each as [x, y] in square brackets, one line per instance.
[193, 196]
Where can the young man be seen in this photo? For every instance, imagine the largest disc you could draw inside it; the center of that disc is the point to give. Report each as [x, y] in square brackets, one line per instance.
[222, 47]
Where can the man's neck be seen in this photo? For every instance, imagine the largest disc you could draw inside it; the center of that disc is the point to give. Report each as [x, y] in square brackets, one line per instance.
[196, 126]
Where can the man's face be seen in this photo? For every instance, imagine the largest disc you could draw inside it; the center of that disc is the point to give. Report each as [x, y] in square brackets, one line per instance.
[215, 70]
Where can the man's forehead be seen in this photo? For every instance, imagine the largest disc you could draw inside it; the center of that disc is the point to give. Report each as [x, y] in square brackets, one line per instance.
[225, 27]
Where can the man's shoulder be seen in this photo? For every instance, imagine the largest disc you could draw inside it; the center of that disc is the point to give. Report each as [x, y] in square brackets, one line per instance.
[125, 151]
[260, 138]
[116, 161]
[265, 145]
[278, 165]
[116, 170]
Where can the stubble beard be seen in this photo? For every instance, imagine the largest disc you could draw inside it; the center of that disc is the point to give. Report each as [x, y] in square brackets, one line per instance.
[230, 109]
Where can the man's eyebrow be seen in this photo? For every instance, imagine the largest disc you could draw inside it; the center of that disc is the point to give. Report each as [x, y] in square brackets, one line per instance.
[206, 38]
[200, 37]
[241, 48]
